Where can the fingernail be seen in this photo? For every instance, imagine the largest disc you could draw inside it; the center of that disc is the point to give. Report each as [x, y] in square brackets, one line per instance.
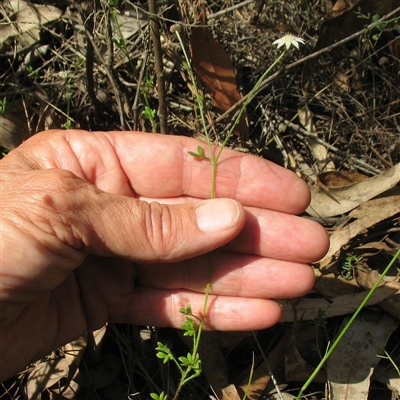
[217, 215]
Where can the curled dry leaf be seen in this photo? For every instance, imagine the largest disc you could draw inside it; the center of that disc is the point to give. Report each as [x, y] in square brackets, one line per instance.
[337, 179]
[335, 201]
[363, 217]
[215, 69]
[341, 6]
[367, 277]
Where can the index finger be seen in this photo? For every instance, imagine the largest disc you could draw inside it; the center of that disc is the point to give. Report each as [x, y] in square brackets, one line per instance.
[160, 166]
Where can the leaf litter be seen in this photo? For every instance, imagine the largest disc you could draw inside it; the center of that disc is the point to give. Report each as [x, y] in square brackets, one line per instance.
[337, 115]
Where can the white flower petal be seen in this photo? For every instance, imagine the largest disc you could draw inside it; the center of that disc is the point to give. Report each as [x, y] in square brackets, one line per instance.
[288, 40]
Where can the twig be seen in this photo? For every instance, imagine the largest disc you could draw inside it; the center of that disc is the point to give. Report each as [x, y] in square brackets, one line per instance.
[155, 36]
[111, 79]
[88, 23]
[303, 132]
[229, 9]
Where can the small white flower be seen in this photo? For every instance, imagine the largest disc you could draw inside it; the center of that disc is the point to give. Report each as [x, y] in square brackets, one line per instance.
[289, 40]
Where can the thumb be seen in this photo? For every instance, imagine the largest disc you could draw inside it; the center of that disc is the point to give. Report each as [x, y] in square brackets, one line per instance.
[154, 232]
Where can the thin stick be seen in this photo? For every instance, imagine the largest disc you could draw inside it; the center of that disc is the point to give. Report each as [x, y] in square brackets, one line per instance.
[155, 36]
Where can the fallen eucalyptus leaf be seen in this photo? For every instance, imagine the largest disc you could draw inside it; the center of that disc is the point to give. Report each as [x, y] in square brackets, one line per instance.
[215, 69]
[352, 363]
[25, 27]
[307, 309]
[335, 201]
[363, 217]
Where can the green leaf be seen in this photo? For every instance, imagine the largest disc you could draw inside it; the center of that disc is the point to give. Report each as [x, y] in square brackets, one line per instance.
[164, 353]
[161, 396]
[187, 310]
[189, 327]
[200, 153]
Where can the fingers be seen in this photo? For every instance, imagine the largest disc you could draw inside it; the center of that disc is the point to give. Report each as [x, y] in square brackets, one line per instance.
[223, 313]
[249, 179]
[123, 298]
[140, 164]
[232, 275]
[280, 236]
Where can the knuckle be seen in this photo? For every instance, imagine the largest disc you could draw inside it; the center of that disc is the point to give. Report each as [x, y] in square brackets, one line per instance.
[160, 230]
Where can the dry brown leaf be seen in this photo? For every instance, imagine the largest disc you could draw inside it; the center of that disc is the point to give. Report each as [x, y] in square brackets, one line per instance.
[363, 217]
[308, 308]
[330, 202]
[46, 374]
[333, 285]
[297, 369]
[367, 277]
[377, 247]
[337, 179]
[351, 364]
[392, 305]
[215, 69]
[341, 6]
[26, 30]
[14, 125]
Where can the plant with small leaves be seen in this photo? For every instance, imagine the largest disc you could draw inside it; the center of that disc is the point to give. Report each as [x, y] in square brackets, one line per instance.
[161, 396]
[148, 112]
[200, 153]
[3, 105]
[32, 71]
[348, 267]
[375, 19]
[190, 365]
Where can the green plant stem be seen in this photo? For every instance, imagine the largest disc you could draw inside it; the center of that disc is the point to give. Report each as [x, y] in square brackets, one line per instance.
[249, 98]
[345, 329]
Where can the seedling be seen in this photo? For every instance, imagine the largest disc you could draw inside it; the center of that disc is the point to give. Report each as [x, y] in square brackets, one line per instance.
[348, 266]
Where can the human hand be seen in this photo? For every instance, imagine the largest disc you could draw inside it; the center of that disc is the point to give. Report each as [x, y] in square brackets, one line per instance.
[112, 226]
